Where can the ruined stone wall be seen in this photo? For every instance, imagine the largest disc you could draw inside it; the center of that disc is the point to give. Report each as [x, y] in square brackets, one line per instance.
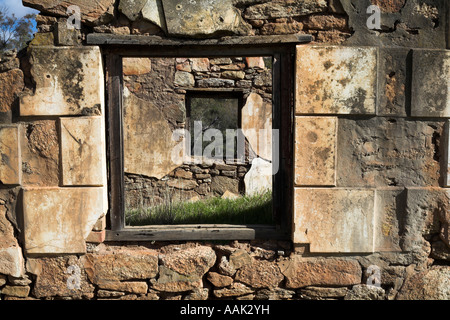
[371, 159]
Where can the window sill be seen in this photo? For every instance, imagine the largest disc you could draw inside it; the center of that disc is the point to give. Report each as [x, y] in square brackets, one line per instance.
[197, 232]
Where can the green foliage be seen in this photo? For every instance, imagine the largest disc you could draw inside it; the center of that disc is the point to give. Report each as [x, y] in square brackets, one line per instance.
[14, 32]
[215, 210]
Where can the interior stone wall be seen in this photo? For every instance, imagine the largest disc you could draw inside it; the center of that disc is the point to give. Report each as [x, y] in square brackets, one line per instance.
[371, 132]
[161, 85]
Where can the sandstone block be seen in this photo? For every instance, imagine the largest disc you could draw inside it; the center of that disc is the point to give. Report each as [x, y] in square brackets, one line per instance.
[260, 274]
[285, 9]
[90, 12]
[136, 66]
[147, 149]
[11, 162]
[11, 261]
[432, 284]
[11, 84]
[392, 81]
[430, 91]
[388, 220]
[153, 11]
[334, 220]
[304, 272]
[235, 290]
[336, 80]
[219, 280]
[16, 291]
[60, 276]
[39, 142]
[58, 220]
[132, 8]
[203, 18]
[315, 151]
[112, 264]
[83, 149]
[69, 81]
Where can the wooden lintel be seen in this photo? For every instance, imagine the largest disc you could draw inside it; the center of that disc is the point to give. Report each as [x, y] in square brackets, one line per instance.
[139, 40]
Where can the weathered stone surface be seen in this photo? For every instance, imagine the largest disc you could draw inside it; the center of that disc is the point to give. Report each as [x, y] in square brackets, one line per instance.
[426, 214]
[318, 293]
[235, 290]
[112, 264]
[259, 178]
[365, 292]
[215, 83]
[39, 143]
[172, 281]
[415, 25]
[65, 36]
[274, 294]
[446, 164]
[260, 274]
[16, 291]
[388, 219]
[153, 11]
[334, 220]
[11, 84]
[10, 163]
[198, 294]
[392, 81]
[255, 62]
[96, 12]
[69, 81]
[147, 149]
[11, 259]
[240, 258]
[184, 79]
[203, 18]
[132, 8]
[256, 125]
[56, 277]
[138, 287]
[336, 80]
[315, 151]
[430, 92]
[195, 261]
[136, 66]
[83, 149]
[388, 152]
[200, 64]
[285, 9]
[68, 215]
[182, 184]
[219, 280]
[220, 184]
[432, 284]
[304, 272]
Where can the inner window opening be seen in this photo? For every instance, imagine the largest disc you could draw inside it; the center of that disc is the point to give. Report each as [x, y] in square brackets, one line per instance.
[198, 140]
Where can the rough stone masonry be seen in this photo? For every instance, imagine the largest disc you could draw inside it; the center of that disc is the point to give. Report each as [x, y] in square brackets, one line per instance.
[370, 157]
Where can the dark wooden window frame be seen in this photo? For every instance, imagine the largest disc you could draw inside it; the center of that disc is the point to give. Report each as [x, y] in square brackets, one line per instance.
[282, 49]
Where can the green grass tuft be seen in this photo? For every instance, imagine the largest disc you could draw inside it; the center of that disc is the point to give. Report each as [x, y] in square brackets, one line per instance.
[216, 210]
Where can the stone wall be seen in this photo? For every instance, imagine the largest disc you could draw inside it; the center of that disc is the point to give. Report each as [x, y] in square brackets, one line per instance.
[371, 165]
